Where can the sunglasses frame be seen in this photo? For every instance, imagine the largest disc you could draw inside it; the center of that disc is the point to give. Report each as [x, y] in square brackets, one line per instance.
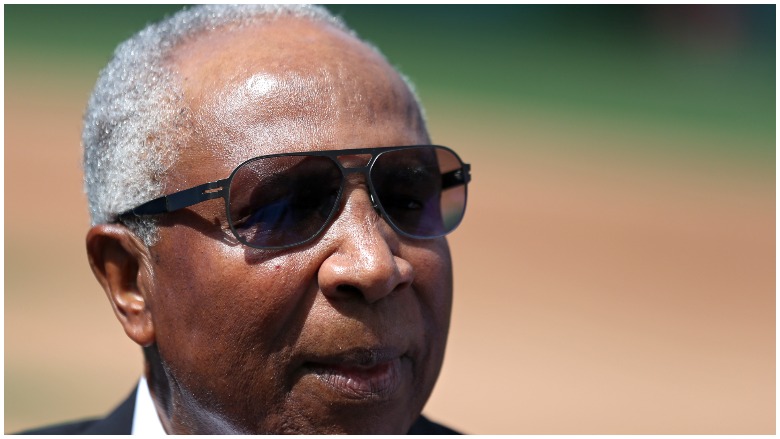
[221, 189]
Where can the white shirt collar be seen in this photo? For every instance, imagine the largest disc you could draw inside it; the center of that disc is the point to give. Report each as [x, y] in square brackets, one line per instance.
[145, 418]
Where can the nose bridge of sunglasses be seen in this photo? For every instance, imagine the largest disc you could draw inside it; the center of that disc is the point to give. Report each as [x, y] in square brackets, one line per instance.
[354, 162]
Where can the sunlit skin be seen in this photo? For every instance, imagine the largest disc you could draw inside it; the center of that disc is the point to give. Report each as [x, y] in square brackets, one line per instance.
[258, 341]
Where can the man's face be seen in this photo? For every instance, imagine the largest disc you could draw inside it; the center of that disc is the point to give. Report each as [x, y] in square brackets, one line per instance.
[343, 334]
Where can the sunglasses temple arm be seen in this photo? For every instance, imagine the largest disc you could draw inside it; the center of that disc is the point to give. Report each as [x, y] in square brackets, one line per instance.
[457, 177]
[179, 200]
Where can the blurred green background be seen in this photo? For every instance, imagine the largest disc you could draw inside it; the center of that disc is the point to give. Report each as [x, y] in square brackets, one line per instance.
[614, 274]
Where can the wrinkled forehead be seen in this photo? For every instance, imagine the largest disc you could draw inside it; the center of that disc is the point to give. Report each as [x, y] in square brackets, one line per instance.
[288, 85]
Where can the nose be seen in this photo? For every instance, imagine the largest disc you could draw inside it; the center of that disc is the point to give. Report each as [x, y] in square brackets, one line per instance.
[363, 261]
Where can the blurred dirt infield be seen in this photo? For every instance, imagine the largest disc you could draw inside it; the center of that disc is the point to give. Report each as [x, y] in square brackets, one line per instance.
[595, 292]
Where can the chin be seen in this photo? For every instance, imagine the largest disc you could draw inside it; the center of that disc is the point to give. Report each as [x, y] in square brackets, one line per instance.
[344, 423]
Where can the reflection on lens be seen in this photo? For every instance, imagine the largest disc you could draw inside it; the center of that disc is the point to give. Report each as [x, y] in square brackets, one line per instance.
[282, 201]
[422, 190]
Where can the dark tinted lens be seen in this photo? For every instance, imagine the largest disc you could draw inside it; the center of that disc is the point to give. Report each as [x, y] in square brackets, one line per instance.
[282, 201]
[422, 190]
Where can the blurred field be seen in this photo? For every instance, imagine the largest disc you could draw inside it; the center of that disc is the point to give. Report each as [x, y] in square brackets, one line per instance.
[615, 272]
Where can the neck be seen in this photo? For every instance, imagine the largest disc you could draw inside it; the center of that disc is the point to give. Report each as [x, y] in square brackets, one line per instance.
[159, 387]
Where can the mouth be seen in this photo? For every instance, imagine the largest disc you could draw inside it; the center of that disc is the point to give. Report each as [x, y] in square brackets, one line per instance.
[360, 373]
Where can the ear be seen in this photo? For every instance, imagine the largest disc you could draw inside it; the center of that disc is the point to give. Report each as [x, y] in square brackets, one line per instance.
[121, 263]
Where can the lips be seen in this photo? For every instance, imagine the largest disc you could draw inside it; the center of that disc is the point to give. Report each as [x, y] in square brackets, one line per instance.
[360, 373]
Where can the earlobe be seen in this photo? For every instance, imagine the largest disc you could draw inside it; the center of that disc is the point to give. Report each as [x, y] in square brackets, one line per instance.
[120, 262]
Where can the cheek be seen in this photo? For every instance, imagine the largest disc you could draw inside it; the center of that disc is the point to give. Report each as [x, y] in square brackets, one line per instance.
[433, 283]
[214, 314]
[433, 278]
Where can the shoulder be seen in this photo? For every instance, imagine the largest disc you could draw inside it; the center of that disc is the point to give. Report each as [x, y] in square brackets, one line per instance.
[425, 426]
[78, 427]
[120, 421]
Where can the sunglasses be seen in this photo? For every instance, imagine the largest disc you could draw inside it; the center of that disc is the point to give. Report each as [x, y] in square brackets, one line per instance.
[284, 200]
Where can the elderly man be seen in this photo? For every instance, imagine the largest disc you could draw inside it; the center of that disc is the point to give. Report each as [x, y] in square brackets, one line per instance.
[268, 224]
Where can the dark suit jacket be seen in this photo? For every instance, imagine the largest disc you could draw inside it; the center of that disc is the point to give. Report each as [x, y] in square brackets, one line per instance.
[120, 421]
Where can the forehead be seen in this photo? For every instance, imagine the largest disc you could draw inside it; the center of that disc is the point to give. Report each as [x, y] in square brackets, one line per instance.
[288, 85]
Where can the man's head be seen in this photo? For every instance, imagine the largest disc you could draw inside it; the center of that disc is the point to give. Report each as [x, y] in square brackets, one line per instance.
[345, 333]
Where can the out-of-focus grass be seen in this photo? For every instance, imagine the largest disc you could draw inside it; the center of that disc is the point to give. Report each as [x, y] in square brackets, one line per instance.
[617, 62]
[59, 32]
[581, 60]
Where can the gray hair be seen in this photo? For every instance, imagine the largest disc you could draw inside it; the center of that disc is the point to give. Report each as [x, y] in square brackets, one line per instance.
[133, 126]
